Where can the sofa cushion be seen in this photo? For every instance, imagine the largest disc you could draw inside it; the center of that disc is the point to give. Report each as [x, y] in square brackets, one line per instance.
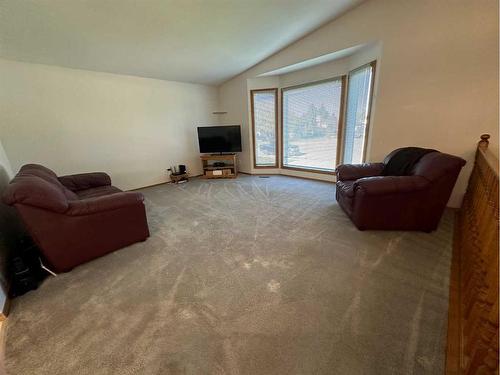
[435, 165]
[401, 162]
[48, 175]
[83, 181]
[40, 171]
[97, 192]
[35, 191]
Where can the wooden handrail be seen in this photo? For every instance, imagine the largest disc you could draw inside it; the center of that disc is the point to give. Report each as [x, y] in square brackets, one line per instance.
[473, 311]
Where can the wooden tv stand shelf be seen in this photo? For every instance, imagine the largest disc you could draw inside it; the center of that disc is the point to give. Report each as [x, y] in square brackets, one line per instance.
[228, 170]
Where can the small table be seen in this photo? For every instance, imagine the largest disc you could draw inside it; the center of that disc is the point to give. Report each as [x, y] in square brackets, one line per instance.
[219, 166]
[179, 177]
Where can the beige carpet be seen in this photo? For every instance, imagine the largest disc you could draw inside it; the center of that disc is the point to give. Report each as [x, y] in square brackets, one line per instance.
[249, 276]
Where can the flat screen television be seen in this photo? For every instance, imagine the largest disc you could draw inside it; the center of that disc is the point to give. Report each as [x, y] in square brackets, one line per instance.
[219, 139]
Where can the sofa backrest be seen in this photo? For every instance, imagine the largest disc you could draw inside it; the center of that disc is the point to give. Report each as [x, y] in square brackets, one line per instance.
[437, 164]
[36, 185]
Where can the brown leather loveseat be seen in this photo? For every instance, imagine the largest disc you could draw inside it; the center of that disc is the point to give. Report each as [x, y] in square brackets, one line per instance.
[76, 218]
[411, 202]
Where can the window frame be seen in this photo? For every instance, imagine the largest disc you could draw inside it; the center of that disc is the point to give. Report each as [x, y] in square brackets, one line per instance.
[373, 65]
[252, 114]
[340, 133]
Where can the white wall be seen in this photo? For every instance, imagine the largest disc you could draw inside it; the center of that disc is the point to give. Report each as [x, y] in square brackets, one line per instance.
[8, 232]
[5, 163]
[437, 77]
[80, 121]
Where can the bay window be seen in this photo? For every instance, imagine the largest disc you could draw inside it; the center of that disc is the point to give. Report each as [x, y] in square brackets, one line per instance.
[323, 124]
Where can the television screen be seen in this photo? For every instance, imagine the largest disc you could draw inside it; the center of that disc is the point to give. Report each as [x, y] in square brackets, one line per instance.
[219, 138]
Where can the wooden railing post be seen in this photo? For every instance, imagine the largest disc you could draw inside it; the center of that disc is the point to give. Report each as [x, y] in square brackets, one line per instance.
[484, 142]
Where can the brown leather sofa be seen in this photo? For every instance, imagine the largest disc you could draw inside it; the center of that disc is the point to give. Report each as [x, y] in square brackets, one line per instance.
[76, 218]
[412, 202]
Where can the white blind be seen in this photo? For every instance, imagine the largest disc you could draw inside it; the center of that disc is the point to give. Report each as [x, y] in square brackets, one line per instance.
[264, 111]
[358, 102]
[310, 125]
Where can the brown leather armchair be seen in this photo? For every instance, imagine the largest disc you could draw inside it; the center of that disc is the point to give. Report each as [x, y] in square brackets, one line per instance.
[411, 202]
[76, 218]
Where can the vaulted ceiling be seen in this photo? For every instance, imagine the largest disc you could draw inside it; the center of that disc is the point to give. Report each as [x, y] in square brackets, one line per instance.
[201, 41]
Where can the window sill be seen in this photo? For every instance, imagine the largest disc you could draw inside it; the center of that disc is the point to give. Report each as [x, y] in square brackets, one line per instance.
[321, 171]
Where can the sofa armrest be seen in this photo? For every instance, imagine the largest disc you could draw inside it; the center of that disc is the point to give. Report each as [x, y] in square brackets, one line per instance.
[347, 172]
[84, 181]
[382, 185]
[104, 203]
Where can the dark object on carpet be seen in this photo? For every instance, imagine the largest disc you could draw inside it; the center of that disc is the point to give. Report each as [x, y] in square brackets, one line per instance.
[400, 162]
[412, 202]
[74, 219]
[24, 268]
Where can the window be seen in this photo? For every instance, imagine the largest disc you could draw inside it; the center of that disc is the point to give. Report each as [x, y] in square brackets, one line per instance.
[359, 97]
[311, 118]
[264, 120]
[323, 124]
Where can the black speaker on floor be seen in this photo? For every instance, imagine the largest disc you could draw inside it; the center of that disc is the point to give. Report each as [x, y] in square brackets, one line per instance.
[24, 268]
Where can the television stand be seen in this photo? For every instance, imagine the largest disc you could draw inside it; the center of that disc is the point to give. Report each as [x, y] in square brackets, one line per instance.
[229, 168]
